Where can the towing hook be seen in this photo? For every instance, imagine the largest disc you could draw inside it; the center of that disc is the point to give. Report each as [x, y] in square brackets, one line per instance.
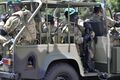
[103, 76]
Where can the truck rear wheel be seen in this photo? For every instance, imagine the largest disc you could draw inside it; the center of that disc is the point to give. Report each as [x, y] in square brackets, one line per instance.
[61, 71]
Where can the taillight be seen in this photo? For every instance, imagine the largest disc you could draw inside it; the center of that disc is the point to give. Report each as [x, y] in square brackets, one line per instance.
[6, 61]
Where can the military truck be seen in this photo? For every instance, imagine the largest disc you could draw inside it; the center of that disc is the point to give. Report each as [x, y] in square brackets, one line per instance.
[45, 59]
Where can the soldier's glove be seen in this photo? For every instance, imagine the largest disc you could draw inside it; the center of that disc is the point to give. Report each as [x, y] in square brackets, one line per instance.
[87, 38]
[92, 34]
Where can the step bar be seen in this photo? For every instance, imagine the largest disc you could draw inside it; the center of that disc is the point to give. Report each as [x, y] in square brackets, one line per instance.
[8, 75]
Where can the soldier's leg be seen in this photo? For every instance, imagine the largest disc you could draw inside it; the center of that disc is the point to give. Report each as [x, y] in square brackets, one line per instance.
[90, 62]
[2, 40]
[87, 60]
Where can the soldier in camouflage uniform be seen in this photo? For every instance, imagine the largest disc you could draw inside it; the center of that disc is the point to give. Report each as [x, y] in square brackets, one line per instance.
[48, 27]
[16, 22]
[74, 27]
[29, 34]
[79, 31]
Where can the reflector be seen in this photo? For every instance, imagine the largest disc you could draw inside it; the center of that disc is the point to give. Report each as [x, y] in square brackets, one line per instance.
[6, 61]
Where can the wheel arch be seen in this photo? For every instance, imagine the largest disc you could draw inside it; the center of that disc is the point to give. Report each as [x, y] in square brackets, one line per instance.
[51, 59]
[71, 62]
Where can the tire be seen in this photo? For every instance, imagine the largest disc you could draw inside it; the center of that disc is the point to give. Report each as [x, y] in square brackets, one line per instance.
[3, 79]
[61, 71]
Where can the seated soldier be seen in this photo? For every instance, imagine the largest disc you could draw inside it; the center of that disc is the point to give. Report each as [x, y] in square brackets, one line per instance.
[50, 23]
[71, 16]
[15, 22]
[49, 27]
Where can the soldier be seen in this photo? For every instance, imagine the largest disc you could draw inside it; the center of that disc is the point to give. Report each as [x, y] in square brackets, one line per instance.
[98, 17]
[106, 21]
[48, 26]
[52, 28]
[29, 34]
[16, 22]
[74, 27]
[77, 29]
[87, 54]
[80, 37]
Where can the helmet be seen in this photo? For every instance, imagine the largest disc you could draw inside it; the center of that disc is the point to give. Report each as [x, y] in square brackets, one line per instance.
[10, 3]
[50, 19]
[13, 4]
[70, 10]
[97, 8]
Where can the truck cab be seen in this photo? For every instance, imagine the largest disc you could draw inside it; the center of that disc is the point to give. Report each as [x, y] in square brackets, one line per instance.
[51, 56]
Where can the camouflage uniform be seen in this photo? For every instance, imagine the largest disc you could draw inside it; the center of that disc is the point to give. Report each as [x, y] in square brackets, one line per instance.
[30, 31]
[16, 22]
[78, 31]
[76, 28]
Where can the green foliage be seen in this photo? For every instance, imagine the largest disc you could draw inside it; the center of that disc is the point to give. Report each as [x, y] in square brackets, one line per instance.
[114, 5]
[2, 0]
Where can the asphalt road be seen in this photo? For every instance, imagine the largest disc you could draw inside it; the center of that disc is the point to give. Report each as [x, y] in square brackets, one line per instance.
[95, 78]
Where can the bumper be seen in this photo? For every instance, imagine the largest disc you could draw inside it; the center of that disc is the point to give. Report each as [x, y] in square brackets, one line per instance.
[8, 75]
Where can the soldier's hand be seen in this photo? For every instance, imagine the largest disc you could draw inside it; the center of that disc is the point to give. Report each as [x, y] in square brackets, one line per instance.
[92, 34]
[87, 38]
